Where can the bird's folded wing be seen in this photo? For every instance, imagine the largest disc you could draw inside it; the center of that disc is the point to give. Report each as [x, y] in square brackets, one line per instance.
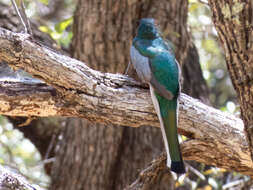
[160, 89]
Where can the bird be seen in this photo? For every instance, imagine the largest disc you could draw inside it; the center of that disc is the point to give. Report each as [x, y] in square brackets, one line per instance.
[154, 61]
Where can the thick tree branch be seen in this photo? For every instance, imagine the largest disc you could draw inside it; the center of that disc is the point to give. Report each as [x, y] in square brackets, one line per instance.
[217, 138]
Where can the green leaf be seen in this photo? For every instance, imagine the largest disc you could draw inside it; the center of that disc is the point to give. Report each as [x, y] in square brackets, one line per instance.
[66, 39]
[45, 2]
[60, 27]
[2, 161]
[193, 7]
[210, 46]
[55, 35]
[45, 29]
[192, 1]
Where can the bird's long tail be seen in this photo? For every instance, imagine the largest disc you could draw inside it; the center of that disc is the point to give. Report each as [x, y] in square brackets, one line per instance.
[167, 113]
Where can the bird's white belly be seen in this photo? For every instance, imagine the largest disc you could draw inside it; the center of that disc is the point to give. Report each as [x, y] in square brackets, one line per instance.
[141, 65]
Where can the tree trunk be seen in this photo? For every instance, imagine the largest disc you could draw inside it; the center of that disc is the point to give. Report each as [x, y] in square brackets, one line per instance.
[234, 22]
[107, 157]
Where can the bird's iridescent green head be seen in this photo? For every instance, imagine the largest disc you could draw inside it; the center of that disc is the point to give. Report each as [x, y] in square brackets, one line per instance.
[147, 29]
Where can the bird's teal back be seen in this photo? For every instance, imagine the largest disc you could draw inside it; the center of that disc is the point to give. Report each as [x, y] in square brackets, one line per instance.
[165, 70]
[162, 62]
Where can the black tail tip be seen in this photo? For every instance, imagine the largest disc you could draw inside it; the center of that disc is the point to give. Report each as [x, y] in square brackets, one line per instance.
[177, 167]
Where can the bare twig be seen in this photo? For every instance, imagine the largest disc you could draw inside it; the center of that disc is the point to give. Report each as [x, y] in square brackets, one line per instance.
[196, 172]
[19, 15]
[234, 183]
[128, 67]
[25, 18]
[20, 11]
[51, 145]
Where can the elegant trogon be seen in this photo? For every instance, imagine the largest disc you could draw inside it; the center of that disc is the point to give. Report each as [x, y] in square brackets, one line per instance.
[155, 64]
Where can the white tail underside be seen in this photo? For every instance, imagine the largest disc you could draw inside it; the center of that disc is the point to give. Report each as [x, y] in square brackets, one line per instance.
[157, 109]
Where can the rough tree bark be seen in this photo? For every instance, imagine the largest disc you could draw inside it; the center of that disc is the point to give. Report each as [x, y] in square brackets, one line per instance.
[234, 22]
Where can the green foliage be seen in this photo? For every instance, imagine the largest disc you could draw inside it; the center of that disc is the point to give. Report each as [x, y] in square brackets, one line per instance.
[210, 46]
[45, 2]
[59, 32]
[19, 154]
[2, 120]
[211, 57]
[61, 26]
[193, 7]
